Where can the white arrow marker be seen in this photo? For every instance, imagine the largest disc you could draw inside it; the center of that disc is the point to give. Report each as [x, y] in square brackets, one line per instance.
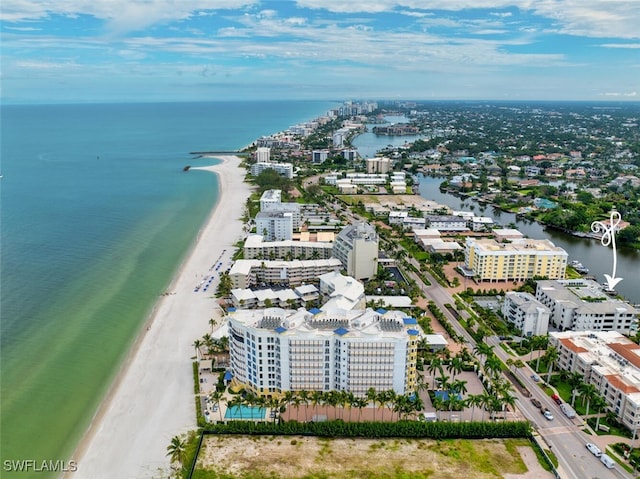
[609, 238]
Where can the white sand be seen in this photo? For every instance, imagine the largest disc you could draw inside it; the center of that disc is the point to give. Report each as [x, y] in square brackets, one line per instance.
[152, 399]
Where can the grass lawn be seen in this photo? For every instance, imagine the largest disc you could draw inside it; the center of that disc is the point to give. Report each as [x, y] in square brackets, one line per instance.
[289, 457]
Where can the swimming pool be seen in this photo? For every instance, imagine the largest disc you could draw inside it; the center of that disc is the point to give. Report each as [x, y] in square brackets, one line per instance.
[245, 412]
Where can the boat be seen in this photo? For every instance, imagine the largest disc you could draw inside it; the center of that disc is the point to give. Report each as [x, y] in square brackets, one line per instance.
[579, 267]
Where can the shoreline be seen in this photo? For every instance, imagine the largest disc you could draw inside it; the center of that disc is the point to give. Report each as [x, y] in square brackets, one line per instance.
[151, 397]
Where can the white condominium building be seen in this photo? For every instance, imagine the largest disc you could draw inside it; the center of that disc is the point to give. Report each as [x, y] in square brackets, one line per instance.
[610, 362]
[526, 313]
[271, 201]
[581, 305]
[283, 169]
[275, 225]
[246, 273]
[356, 246]
[276, 350]
[515, 261]
[256, 248]
[378, 165]
[263, 154]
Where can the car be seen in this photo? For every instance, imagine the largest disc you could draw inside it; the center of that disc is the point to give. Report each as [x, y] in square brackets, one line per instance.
[547, 414]
[593, 449]
[535, 377]
[536, 403]
[556, 398]
[607, 461]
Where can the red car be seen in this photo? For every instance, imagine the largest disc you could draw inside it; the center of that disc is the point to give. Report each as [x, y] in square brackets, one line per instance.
[556, 398]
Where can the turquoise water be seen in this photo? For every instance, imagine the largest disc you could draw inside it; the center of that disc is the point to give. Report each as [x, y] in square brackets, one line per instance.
[96, 216]
[245, 412]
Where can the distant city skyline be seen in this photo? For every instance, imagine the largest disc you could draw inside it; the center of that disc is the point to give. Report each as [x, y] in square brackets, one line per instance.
[209, 50]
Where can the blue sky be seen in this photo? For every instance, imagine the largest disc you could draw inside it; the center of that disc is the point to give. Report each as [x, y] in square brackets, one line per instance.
[172, 50]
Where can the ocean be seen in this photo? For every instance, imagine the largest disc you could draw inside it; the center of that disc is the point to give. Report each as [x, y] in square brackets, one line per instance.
[96, 217]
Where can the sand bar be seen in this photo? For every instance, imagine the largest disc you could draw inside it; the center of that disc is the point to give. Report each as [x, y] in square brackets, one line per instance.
[152, 398]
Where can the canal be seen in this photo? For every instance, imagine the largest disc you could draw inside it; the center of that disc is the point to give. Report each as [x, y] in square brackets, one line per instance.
[589, 252]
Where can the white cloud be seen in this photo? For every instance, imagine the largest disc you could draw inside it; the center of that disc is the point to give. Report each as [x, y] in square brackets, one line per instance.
[621, 45]
[121, 15]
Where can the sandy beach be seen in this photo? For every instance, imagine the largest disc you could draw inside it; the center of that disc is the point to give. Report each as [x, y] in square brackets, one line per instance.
[152, 397]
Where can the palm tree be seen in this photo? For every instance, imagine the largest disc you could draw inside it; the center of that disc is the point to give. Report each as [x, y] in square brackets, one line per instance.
[288, 398]
[474, 400]
[360, 403]
[177, 450]
[434, 365]
[455, 366]
[485, 402]
[197, 344]
[304, 399]
[598, 403]
[236, 402]
[216, 396]
[539, 342]
[316, 399]
[574, 380]
[295, 402]
[589, 391]
[459, 386]
[551, 356]
[493, 366]
[483, 349]
[443, 382]
[438, 404]
[372, 396]
[212, 323]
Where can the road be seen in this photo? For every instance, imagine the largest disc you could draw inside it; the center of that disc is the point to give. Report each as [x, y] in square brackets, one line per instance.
[564, 436]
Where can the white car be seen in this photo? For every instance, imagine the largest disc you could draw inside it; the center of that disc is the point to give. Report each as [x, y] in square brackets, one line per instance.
[548, 415]
[593, 449]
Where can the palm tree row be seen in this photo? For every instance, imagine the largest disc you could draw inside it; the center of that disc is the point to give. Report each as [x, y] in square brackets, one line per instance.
[212, 345]
[343, 402]
[498, 388]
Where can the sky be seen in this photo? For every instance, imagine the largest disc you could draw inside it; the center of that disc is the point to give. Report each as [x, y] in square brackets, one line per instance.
[56, 51]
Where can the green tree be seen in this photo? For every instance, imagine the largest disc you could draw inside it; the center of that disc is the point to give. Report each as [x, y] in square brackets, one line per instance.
[176, 451]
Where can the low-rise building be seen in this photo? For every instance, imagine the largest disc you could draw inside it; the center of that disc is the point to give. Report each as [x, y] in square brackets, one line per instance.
[526, 313]
[516, 261]
[581, 305]
[256, 248]
[447, 222]
[610, 362]
[283, 169]
[246, 273]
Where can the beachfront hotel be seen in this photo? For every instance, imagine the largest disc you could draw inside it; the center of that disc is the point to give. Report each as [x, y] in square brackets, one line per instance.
[356, 246]
[610, 362]
[581, 305]
[275, 350]
[521, 259]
